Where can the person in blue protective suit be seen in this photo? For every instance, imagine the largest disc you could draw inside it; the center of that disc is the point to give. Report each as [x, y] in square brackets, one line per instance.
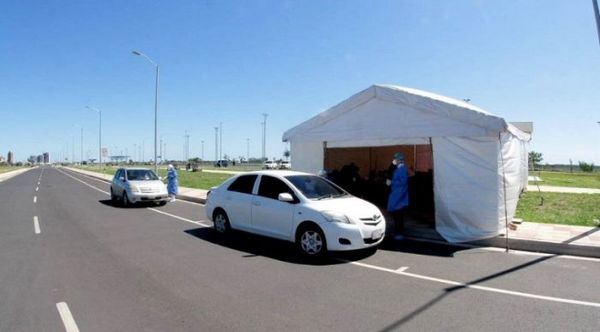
[172, 185]
[398, 199]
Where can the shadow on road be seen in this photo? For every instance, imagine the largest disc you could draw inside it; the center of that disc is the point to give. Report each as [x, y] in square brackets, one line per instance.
[251, 245]
[421, 248]
[141, 205]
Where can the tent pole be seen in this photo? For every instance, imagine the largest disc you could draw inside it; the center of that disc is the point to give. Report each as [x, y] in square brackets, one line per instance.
[504, 186]
[433, 181]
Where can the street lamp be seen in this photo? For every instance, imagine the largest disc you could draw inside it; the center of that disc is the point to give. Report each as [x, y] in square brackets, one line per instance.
[155, 107]
[99, 134]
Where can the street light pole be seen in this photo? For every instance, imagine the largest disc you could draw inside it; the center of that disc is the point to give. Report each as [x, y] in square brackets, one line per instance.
[99, 134]
[155, 107]
[264, 138]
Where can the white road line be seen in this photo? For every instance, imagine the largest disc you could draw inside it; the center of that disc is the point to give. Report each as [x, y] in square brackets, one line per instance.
[35, 199]
[67, 318]
[178, 217]
[482, 288]
[36, 225]
[511, 251]
[37, 188]
[151, 209]
[87, 184]
[402, 269]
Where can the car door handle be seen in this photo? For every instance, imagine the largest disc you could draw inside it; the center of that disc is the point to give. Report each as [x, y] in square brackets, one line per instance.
[256, 203]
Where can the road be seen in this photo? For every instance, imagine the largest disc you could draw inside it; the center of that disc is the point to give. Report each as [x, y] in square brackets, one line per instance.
[69, 260]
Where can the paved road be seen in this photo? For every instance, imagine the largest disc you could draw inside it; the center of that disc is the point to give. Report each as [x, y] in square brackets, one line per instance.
[100, 267]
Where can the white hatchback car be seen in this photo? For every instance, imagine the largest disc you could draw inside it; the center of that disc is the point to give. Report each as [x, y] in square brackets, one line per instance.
[298, 207]
[132, 185]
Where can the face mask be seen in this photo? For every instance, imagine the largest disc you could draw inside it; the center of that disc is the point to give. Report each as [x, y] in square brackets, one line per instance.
[395, 162]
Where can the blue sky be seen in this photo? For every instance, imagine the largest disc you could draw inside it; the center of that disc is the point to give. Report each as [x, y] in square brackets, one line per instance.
[230, 61]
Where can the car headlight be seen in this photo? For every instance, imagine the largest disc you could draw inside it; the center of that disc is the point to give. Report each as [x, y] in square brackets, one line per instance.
[333, 216]
[134, 188]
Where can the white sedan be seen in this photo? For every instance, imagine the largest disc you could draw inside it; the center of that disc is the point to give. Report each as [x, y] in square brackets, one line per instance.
[298, 207]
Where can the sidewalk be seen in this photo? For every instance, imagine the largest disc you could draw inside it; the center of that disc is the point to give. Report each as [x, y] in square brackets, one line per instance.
[547, 238]
[567, 190]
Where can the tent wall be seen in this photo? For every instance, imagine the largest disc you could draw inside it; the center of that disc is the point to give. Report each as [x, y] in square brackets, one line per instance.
[307, 156]
[466, 187]
[510, 177]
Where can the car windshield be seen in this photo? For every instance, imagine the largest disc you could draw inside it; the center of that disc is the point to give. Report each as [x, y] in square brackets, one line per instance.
[141, 175]
[314, 187]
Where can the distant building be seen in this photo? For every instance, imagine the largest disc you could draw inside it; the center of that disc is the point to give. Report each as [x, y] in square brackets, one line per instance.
[40, 158]
[10, 158]
[46, 158]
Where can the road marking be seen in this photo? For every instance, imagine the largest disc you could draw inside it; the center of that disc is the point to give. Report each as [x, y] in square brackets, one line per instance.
[178, 217]
[37, 188]
[511, 251]
[482, 288]
[401, 271]
[35, 199]
[518, 252]
[87, 184]
[151, 209]
[36, 225]
[67, 318]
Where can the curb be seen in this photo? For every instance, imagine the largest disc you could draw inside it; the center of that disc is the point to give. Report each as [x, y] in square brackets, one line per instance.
[513, 244]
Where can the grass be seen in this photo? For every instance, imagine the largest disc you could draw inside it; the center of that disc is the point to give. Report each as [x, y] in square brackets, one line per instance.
[559, 208]
[562, 179]
[199, 180]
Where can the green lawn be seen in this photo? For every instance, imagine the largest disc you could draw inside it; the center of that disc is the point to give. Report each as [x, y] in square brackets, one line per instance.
[559, 208]
[200, 180]
[561, 179]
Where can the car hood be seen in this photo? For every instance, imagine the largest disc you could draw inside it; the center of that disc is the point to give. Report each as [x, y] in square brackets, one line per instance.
[154, 184]
[353, 207]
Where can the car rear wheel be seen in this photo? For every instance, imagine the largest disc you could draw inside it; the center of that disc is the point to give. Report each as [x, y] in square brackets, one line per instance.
[311, 241]
[221, 222]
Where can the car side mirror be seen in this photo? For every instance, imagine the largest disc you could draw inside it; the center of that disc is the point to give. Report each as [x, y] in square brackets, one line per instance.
[285, 197]
[161, 178]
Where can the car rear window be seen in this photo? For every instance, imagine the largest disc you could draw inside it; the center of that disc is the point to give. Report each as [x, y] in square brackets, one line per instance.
[243, 184]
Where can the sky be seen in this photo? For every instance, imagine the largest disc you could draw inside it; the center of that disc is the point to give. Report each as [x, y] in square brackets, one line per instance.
[230, 61]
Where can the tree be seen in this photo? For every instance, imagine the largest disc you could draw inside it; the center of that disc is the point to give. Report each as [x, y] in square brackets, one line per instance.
[535, 158]
[585, 167]
[286, 154]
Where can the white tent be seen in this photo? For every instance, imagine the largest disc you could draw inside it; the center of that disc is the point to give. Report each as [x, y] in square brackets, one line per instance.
[479, 160]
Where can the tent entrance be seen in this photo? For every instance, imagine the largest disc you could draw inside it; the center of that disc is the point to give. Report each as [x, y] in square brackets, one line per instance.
[363, 171]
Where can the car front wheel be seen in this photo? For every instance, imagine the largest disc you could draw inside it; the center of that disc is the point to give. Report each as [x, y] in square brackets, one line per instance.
[125, 200]
[311, 241]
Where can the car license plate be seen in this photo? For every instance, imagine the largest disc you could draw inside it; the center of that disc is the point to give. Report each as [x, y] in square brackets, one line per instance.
[377, 234]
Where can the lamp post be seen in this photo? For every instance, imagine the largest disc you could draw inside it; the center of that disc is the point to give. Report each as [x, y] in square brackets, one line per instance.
[155, 106]
[99, 133]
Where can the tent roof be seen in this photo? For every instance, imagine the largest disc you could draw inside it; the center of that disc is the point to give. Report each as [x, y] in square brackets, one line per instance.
[397, 106]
